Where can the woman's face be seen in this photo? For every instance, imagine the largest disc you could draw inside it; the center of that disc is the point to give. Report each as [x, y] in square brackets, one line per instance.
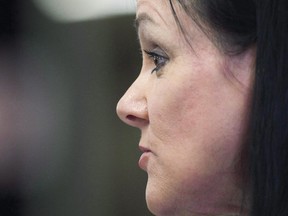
[191, 103]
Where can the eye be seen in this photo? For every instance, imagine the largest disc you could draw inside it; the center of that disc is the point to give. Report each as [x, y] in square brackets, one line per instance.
[159, 60]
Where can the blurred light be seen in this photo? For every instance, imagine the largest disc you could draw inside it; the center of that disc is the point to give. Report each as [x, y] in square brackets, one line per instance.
[81, 10]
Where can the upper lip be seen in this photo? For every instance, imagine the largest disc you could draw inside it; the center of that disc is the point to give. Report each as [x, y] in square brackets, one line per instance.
[144, 149]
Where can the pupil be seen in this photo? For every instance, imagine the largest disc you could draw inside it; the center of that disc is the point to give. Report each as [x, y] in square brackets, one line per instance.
[156, 61]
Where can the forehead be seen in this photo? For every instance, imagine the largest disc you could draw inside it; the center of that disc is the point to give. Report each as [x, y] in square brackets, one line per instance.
[164, 8]
[149, 10]
[152, 14]
[168, 15]
[157, 13]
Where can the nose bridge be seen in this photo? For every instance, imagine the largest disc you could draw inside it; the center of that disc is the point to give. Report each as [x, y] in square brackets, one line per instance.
[132, 107]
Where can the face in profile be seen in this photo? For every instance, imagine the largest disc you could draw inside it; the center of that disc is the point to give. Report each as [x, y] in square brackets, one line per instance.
[191, 103]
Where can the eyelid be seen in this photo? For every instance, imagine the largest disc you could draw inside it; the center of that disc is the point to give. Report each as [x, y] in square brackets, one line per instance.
[158, 55]
[157, 52]
[152, 54]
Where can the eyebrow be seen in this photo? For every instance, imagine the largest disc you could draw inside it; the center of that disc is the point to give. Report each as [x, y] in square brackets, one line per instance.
[142, 18]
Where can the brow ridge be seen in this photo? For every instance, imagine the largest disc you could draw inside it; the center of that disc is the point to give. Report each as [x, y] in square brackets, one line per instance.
[142, 18]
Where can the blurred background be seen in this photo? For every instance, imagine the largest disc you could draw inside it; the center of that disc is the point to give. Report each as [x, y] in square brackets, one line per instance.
[64, 64]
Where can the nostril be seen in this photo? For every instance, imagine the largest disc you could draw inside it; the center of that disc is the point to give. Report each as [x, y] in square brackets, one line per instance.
[131, 117]
[136, 121]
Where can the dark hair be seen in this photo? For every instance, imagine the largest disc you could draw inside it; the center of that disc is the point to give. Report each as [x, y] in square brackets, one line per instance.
[233, 22]
[238, 25]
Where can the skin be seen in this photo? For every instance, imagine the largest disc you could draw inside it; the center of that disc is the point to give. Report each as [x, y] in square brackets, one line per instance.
[192, 114]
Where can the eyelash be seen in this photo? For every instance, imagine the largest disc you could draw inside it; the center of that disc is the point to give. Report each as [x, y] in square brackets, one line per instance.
[157, 58]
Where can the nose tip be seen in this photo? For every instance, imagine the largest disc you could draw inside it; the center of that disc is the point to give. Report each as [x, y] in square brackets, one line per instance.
[133, 113]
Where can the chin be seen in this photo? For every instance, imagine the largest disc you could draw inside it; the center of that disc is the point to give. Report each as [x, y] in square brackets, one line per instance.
[159, 208]
[159, 201]
[164, 200]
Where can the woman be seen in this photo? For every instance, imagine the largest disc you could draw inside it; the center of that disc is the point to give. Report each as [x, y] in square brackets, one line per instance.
[210, 102]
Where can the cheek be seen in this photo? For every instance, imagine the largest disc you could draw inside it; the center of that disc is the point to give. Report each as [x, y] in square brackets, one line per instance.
[198, 124]
[202, 120]
[171, 107]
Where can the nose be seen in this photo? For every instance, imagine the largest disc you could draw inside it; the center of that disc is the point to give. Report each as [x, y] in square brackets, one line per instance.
[132, 107]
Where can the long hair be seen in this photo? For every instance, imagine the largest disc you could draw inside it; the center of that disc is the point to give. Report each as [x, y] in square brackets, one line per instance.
[237, 25]
[269, 120]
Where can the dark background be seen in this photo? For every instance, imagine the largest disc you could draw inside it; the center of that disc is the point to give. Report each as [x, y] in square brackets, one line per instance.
[63, 150]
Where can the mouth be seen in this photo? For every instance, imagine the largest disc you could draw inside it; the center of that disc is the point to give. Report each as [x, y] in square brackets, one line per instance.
[146, 154]
[144, 149]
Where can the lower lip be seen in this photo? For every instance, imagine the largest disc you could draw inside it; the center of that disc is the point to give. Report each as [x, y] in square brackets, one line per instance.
[143, 161]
